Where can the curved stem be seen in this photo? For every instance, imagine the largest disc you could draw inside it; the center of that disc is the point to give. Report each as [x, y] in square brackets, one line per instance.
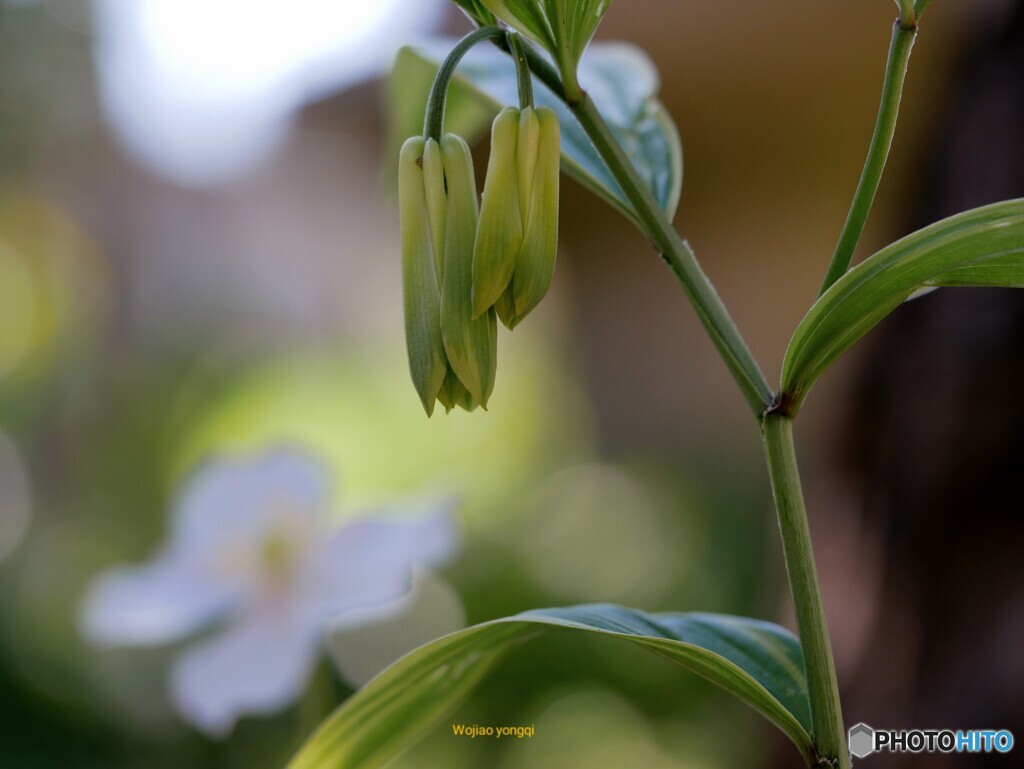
[819, 666]
[878, 152]
[680, 258]
[433, 123]
[540, 67]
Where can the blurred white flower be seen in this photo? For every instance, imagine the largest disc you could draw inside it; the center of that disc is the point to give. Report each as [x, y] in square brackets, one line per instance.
[204, 102]
[252, 545]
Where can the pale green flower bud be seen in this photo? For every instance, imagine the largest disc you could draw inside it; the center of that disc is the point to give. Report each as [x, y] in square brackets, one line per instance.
[437, 202]
[421, 289]
[506, 309]
[500, 233]
[452, 358]
[471, 344]
[526, 162]
[535, 265]
[453, 393]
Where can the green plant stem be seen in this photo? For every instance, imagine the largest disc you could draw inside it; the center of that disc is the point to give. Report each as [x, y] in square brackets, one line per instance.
[680, 258]
[878, 152]
[433, 123]
[908, 14]
[524, 78]
[823, 690]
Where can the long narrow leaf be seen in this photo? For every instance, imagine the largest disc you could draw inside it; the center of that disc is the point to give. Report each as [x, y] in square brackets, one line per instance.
[981, 247]
[757, 661]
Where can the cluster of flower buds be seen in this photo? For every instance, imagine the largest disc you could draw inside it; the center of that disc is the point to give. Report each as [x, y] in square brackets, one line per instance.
[462, 266]
[517, 240]
[458, 276]
[452, 355]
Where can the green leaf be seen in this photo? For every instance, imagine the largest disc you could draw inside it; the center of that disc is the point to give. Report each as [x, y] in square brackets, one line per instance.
[981, 247]
[477, 12]
[619, 77]
[529, 17]
[563, 27]
[757, 661]
[583, 18]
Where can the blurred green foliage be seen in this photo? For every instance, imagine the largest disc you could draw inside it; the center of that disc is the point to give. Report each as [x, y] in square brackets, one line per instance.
[107, 460]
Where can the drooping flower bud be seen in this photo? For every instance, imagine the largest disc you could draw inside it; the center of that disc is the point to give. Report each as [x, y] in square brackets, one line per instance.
[453, 393]
[505, 307]
[421, 289]
[500, 233]
[535, 266]
[517, 241]
[470, 343]
[452, 357]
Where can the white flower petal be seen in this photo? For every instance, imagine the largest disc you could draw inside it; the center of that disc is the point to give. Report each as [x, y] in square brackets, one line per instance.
[256, 667]
[151, 604]
[370, 562]
[363, 642]
[230, 502]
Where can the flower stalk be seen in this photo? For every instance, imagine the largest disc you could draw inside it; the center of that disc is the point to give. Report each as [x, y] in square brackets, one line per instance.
[433, 123]
[524, 78]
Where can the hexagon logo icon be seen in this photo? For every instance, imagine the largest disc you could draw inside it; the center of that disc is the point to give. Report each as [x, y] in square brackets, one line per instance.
[862, 740]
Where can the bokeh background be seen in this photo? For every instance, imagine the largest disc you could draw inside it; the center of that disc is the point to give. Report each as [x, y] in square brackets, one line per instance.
[198, 255]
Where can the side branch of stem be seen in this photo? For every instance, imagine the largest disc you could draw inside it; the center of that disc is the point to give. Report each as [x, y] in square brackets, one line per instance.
[878, 153]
